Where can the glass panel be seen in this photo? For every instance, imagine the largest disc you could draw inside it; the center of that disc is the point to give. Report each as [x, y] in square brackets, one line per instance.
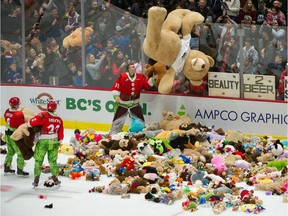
[50, 50]
[11, 40]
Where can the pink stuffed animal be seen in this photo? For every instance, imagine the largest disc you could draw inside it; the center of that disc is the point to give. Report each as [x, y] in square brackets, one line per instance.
[219, 163]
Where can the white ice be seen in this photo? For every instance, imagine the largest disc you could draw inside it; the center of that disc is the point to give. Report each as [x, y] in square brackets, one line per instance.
[18, 198]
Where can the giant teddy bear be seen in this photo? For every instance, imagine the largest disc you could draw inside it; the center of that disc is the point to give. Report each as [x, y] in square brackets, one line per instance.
[167, 41]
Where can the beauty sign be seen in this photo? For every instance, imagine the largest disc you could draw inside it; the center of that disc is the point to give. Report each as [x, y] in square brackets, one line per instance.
[223, 84]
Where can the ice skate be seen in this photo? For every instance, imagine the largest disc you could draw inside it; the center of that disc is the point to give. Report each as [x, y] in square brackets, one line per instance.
[36, 182]
[56, 180]
[22, 173]
[8, 170]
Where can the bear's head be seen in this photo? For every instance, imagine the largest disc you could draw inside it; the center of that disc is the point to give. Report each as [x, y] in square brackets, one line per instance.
[197, 66]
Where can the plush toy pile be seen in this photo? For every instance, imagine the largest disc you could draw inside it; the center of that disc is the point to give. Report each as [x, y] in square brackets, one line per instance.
[192, 163]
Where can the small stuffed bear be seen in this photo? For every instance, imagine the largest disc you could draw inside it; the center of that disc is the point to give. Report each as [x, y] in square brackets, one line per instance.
[156, 69]
[164, 44]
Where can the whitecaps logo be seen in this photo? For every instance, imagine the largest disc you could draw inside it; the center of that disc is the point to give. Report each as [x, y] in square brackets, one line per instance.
[41, 100]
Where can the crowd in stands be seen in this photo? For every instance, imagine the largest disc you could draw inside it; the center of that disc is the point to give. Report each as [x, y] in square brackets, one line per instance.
[118, 28]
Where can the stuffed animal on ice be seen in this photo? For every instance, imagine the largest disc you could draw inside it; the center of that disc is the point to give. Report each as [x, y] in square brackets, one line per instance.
[173, 121]
[167, 41]
[75, 38]
[124, 144]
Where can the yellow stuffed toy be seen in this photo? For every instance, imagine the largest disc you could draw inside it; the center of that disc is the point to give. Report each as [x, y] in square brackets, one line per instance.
[75, 38]
[165, 44]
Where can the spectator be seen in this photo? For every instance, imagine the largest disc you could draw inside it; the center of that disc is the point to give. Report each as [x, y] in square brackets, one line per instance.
[231, 8]
[207, 36]
[124, 5]
[229, 52]
[29, 78]
[36, 44]
[93, 68]
[189, 4]
[11, 30]
[207, 39]
[55, 66]
[277, 31]
[31, 62]
[263, 62]
[273, 14]
[200, 90]
[246, 24]
[281, 86]
[31, 20]
[204, 10]
[134, 49]
[228, 30]
[119, 64]
[265, 36]
[106, 70]
[261, 12]
[248, 65]
[94, 11]
[180, 85]
[249, 9]
[195, 37]
[110, 46]
[253, 33]
[50, 26]
[78, 79]
[249, 54]
[215, 6]
[281, 6]
[72, 71]
[95, 47]
[121, 42]
[140, 8]
[71, 18]
[14, 74]
[104, 25]
[281, 47]
[126, 24]
[276, 68]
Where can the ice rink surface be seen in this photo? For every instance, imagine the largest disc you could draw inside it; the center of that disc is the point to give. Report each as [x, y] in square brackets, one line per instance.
[18, 198]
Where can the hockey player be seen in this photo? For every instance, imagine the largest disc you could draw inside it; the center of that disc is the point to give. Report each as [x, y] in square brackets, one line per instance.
[14, 118]
[50, 137]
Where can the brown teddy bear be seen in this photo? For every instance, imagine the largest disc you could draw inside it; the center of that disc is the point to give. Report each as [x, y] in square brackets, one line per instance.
[24, 136]
[172, 121]
[155, 69]
[167, 41]
[75, 38]
[124, 144]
